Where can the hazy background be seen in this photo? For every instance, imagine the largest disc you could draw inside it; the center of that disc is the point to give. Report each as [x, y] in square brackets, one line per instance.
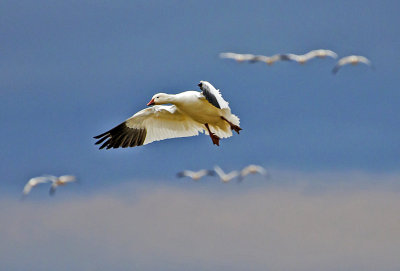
[70, 70]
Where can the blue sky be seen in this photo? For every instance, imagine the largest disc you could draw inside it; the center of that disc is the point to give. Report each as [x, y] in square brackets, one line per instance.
[70, 70]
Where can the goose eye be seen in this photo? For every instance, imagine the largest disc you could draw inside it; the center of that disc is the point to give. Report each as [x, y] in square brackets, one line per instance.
[157, 97]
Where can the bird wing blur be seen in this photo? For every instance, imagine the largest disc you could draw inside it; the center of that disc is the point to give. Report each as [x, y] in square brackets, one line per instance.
[33, 182]
[237, 57]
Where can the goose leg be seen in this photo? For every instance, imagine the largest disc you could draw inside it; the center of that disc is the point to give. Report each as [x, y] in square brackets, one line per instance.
[233, 126]
[214, 138]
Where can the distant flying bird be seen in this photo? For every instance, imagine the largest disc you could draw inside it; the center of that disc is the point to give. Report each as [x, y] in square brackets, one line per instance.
[191, 112]
[34, 182]
[267, 59]
[62, 180]
[225, 177]
[353, 60]
[302, 59]
[195, 175]
[252, 169]
[238, 57]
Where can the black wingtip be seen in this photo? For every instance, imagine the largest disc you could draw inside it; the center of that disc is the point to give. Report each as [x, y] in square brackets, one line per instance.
[284, 57]
[122, 136]
[99, 136]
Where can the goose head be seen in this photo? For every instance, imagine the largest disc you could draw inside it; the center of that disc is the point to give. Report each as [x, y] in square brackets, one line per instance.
[160, 98]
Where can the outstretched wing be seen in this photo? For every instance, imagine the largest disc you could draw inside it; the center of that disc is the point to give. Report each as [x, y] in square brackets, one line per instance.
[289, 57]
[151, 124]
[364, 60]
[329, 53]
[343, 61]
[185, 173]
[232, 174]
[67, 178]
[230, 55]
[213, 95]
[219, 171]
[35, 181]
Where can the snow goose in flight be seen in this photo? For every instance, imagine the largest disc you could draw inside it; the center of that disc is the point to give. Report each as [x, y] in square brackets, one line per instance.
[195, 175]
[353, 60]
[62, 180]
[191, 112]
[252, 169]
[302, 59]
[238, 57]
[34, 182]
[225, 177]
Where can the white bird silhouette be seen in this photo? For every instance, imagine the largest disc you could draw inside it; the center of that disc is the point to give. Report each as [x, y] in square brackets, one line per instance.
[238, 57]
[61, 180]
[195, 175]
[252, 169]
[191, 112]
[225, 177]
[302, 59]
[34, 182]
[353, 60]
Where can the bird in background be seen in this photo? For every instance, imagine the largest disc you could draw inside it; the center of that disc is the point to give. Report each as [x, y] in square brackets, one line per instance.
[353, 60]
[238, 57]
[34, 182]
[192, 112]
[252, 169]
[302, 59]
[195, 175]
[59, 181]
[225, 177]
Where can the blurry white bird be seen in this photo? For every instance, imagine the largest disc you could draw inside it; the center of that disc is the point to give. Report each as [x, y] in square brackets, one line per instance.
[267, 59]
[237, 57]
[34, 182]
[225, 177]
[252, 169]
[195, 175]
[191, 112]
[62, 180]
[353, 60]
[302, 59]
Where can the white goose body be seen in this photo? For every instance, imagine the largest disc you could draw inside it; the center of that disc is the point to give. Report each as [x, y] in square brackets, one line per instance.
[196, 106]
[191, 113]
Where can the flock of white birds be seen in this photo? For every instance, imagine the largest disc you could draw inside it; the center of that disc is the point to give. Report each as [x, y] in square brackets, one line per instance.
[301, 59]
[224, 177]
[187, 114]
